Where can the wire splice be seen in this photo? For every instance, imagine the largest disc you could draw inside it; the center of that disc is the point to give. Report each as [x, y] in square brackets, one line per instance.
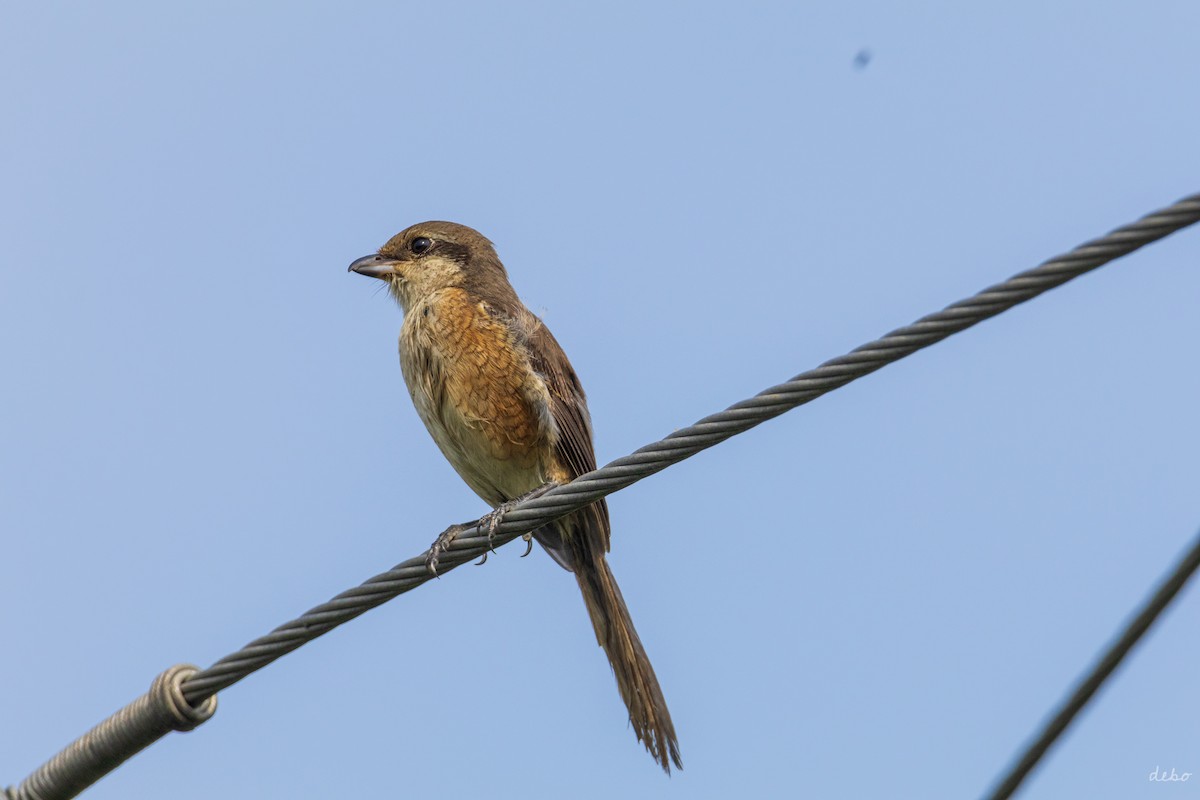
[117, 739]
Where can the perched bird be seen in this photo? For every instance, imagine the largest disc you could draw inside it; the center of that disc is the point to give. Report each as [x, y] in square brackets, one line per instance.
[503, 403]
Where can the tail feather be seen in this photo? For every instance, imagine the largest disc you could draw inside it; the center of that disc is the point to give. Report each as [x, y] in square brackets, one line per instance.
[635, 676]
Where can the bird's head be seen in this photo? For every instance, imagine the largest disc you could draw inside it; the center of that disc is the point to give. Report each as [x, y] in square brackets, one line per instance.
[431, 256]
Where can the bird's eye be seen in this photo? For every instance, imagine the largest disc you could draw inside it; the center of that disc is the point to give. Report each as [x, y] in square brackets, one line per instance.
[420, 245]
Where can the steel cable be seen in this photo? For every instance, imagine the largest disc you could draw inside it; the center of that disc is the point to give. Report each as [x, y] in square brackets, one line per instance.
[125, 733]
[688, 441]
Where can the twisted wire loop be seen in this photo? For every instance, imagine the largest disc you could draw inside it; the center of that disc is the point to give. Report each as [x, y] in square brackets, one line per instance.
[688, 441]
[117, 739]
[77, 767]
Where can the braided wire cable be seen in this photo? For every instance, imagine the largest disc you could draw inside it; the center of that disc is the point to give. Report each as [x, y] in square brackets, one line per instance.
[1086, 688]
[141, 722]
[681, 444]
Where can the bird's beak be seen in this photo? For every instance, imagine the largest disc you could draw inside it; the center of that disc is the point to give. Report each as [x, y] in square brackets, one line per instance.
[375, 266]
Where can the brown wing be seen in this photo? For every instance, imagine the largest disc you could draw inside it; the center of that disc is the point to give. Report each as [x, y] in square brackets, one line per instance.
[568, 407]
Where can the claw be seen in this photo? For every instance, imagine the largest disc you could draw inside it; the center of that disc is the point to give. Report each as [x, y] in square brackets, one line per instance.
[482, 560]
[528, 544]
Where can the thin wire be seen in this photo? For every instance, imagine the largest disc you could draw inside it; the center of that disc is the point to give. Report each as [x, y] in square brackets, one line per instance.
[1100, 671]
[687, 442]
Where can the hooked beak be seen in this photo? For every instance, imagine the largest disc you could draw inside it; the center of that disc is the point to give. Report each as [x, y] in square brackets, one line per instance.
[374, 266]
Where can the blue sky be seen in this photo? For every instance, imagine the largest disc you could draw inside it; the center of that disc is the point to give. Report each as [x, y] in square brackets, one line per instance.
[203, 429]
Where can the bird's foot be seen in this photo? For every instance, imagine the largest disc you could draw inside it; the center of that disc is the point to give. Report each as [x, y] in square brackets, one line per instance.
[443, 542]
[489, 522]
[492, 520]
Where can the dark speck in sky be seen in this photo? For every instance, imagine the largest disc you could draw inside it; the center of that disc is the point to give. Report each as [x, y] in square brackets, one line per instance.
[862, 59]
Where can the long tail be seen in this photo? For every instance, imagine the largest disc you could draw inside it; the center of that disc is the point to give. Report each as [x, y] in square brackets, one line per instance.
[635, 677]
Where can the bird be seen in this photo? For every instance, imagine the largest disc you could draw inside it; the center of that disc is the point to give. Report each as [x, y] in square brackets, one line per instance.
[506, 408]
